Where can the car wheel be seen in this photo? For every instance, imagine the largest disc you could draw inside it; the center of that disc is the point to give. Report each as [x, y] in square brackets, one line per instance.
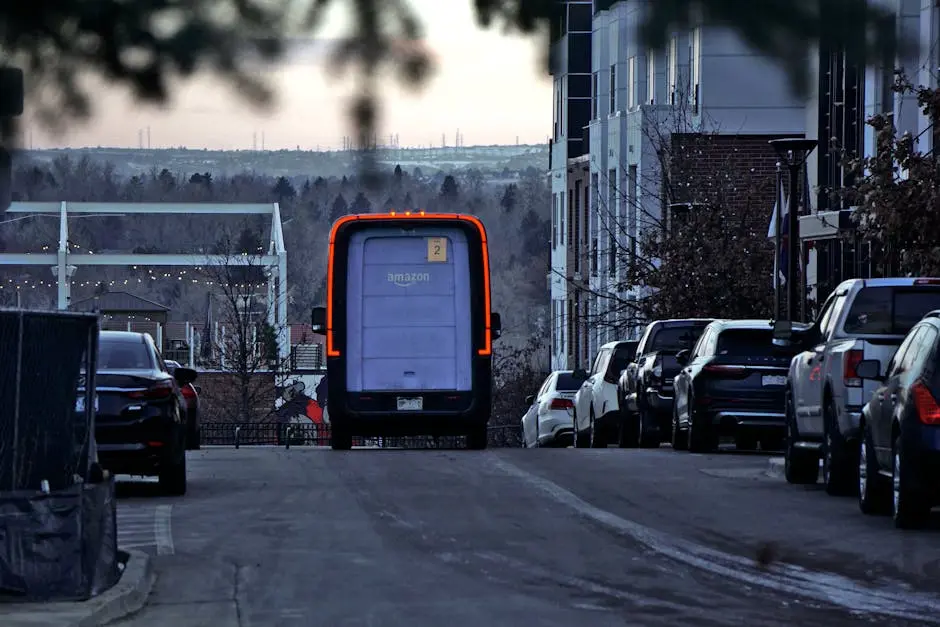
[700, 437]
[340, 439]
[839, 466]
[172, 476]
[477, 438]
[647, 440]
[679, 440]
[597, 438]
[799, 466]
[911, 510]
[873, 490]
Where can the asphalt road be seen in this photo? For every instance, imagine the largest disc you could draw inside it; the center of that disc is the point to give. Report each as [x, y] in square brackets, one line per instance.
[269, 537]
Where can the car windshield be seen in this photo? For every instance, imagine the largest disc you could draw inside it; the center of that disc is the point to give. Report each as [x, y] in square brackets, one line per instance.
[890, 310]
[123, 355]
[566, 382]
[746, 343]
[676, 338]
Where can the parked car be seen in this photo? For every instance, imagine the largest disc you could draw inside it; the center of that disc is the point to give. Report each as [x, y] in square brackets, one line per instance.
[899, 460]
[596, 408]
[862, 319]
[191, 394]
[732, 383]
[646, 385]
[548, 421]
[140, 424]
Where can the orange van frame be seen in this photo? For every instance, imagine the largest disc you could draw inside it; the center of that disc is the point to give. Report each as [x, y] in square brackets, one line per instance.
[487, 350]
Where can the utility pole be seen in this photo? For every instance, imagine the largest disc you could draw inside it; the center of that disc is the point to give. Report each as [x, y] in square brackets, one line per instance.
[11, 106]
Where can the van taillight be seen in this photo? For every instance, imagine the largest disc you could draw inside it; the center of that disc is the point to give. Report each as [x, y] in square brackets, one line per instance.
[160, 389]
[561, 403]
[927, 408]
[849, 376]
[188, 392]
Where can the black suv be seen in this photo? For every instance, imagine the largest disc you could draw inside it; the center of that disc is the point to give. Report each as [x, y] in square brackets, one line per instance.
[140, 413]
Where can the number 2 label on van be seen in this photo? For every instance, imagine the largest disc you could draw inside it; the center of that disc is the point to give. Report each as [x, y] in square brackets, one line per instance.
[437, 249]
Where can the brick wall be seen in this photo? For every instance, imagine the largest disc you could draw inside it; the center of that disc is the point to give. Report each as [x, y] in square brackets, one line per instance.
[220, 400]
[735, 172]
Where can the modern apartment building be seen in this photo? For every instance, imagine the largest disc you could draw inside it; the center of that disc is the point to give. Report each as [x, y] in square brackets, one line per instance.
[642, 102]
[571, 71]
[846, 94]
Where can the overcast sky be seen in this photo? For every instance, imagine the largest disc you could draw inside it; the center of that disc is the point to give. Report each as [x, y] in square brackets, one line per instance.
[489, 85]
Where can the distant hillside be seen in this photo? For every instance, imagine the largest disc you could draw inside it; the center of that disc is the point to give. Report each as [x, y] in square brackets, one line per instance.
[290, 163]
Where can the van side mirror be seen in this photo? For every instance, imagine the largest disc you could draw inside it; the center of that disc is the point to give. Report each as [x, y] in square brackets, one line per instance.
[530, 399]
[783, 332]
[869, 369]
[580, 374]
[318, 320]
[496, 325]
[185, 376]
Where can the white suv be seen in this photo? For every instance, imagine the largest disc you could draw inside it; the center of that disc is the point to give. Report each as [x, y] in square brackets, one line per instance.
[596, 410]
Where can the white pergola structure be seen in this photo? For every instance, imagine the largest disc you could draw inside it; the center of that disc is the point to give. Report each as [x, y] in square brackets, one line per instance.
[64, 262]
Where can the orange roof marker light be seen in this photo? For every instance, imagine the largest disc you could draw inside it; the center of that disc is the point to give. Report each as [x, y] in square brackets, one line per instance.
[487, 348]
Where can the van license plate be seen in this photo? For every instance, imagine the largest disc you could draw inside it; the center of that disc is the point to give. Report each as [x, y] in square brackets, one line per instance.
[774, 379]
[410, 404]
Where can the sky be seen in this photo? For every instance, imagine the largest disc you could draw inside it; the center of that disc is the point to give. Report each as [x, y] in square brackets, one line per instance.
[490, 85]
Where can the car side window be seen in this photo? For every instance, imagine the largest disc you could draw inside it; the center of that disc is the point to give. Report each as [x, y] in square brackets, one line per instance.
[545, 386]
[897, 364]
[827, 317]
[600, 364]
[926, 343]
[919, 346]
[699, 349]
[708, 348]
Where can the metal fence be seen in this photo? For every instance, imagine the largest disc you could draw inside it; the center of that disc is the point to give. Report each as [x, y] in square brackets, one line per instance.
[288, 435]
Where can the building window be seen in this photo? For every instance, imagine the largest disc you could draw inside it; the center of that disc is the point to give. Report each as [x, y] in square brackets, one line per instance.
[612, 219]
[631, 83]
[593, 232]
[651, 77]
[561, 218]
[556, 221]
[695, 67]
[558, 108]
[570, 337]
[672, 80]
[554, 327]
[595, 105]
[613, 88]
[574, 238]
[632, 211]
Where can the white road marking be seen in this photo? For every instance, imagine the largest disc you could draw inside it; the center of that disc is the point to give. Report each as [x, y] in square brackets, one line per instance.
[781, 577]
[163, 529]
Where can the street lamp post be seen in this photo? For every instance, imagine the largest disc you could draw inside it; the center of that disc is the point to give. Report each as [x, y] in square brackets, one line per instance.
[793, 152]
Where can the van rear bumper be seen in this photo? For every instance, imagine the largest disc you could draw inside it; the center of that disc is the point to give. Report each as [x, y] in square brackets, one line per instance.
[374, 414]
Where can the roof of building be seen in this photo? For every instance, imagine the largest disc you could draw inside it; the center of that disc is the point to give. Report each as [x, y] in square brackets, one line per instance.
[118, 301]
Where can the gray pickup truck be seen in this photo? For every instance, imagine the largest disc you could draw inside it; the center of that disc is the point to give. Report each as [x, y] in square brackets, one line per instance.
[645, 386]
[862, 319]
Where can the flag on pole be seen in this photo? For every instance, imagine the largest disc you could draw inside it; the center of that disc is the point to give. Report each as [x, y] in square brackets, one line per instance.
[782, 203]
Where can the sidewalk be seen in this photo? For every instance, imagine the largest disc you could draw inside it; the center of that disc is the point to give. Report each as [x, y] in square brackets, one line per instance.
[126, 597]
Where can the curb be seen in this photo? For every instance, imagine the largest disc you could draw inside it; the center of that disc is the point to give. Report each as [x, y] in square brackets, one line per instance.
[128, 596]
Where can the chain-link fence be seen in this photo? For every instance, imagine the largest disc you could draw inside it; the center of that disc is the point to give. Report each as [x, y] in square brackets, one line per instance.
[44, 441]
[310, 434]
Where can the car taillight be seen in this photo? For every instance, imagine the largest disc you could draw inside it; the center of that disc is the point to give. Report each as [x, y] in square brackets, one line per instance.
[561, 403]
[849, 376]
[160, 389]
[926, 281]
[927, 408]
[188, 392]
[726, 372]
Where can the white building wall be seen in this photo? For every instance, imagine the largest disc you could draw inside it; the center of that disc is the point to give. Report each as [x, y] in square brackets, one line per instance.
[739, 92]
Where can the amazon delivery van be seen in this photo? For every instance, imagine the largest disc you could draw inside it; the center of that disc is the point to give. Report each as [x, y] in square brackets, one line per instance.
[408, 327]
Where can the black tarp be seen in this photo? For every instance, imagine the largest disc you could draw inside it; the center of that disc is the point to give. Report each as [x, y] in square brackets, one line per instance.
[42, 436]
[58, 530]
[59, 546]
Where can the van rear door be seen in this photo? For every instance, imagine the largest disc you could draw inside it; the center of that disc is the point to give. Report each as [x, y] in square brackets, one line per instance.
[408, 310]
